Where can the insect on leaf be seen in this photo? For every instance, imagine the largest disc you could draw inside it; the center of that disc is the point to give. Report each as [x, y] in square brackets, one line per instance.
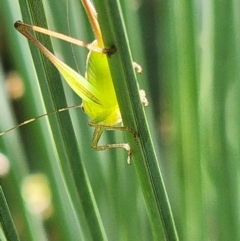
[96, 89]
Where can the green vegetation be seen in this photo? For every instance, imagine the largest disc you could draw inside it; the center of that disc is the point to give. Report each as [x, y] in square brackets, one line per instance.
[189, 54]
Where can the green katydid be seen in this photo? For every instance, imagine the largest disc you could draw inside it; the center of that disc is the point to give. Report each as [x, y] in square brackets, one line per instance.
[99, 100]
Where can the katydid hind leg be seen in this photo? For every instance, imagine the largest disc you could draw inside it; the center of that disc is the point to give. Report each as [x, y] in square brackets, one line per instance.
[23, 29]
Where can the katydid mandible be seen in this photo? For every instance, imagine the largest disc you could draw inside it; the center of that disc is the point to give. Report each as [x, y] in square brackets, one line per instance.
[96, 89]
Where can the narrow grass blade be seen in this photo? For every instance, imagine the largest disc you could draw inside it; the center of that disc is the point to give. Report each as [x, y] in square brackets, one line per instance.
[144, 158]
[75, 175]
[6, 219]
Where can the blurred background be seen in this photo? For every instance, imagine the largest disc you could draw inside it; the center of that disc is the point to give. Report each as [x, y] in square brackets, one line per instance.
[189, 52]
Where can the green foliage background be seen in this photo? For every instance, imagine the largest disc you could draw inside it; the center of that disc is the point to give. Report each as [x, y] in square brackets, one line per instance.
[189, 51]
